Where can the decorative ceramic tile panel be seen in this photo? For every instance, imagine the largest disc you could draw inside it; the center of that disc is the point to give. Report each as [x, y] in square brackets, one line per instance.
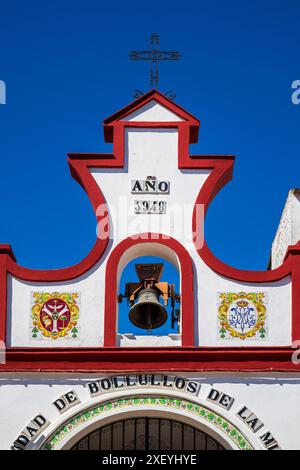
[242, 315]
[197, 410]
[54, 315]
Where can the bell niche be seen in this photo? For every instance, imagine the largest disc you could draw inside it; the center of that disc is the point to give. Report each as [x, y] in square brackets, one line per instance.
[149, 301]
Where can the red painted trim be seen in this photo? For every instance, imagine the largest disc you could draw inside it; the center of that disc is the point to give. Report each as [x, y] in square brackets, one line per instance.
[221, 174]
[187, 286]
[80, 171]
[6, 254]
[293, 256]
[6, 249]
[142, 101]
[3, 297]
[188, 128]
[149, 359]
[184, 139]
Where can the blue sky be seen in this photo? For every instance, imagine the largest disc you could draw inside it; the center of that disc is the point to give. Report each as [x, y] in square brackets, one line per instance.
[66, 68]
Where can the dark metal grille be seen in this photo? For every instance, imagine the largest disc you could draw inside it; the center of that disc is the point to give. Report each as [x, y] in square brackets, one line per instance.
[147, 434]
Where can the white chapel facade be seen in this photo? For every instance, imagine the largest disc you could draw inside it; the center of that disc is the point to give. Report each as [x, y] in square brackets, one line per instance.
[151, 342]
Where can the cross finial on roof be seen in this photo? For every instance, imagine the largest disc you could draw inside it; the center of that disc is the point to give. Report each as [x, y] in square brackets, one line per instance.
[154, 55]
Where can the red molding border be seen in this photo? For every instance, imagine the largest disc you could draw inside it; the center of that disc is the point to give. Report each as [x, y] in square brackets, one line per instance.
[145, 359]
[187, 286]
[149, 359]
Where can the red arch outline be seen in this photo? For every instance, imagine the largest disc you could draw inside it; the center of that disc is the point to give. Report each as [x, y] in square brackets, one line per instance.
[187, 286]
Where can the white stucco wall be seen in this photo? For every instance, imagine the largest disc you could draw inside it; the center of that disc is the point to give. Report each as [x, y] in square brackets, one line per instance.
[272, 398]
[153, 112]
[288, 232]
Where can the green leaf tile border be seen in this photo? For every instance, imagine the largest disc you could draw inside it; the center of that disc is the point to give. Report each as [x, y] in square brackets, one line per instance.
[174, 403]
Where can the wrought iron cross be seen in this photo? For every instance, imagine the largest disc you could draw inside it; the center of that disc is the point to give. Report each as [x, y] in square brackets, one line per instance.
[154, 56]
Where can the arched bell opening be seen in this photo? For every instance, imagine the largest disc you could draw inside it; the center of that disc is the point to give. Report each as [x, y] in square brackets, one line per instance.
[178, 291]
[149, 298]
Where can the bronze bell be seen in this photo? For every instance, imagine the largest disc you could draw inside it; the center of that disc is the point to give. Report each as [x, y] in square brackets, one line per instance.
[148, 313]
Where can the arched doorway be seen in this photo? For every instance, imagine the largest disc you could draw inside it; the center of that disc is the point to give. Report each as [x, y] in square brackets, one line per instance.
[147, 433]
[185, 422]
